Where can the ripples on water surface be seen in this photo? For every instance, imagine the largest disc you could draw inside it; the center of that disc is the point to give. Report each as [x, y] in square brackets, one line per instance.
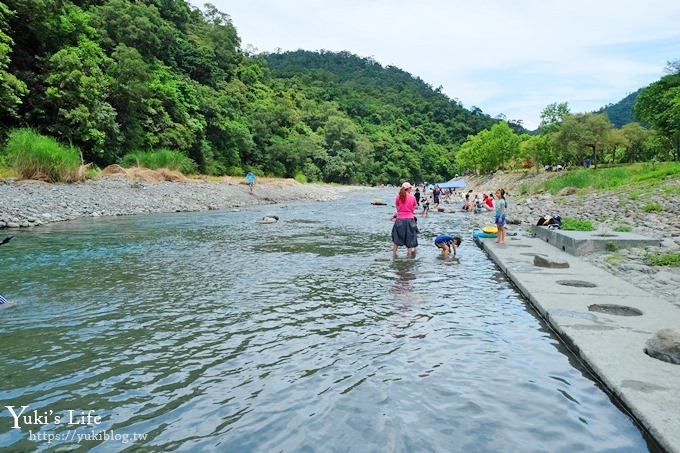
[211, 332]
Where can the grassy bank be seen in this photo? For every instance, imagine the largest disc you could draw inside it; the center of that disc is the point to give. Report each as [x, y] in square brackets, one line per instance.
[641, 176]
[33, 156]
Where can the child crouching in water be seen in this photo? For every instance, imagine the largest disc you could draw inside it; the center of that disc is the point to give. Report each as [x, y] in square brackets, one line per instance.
[447, 244]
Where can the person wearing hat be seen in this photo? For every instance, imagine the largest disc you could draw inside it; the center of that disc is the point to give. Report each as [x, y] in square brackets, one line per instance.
[405, 229]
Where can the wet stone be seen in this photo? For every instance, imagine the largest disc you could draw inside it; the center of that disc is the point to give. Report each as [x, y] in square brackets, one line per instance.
[542, 261]
[613, 309]
[665, 345]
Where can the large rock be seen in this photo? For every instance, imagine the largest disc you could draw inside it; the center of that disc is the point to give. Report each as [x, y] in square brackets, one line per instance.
[542, 261]
[269, 219]
[378, 202]
[665, 345]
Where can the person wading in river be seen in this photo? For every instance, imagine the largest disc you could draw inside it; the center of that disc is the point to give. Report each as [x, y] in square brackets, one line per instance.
[405, 229]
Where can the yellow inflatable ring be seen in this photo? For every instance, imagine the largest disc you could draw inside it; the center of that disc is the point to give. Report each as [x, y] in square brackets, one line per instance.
[490, 230]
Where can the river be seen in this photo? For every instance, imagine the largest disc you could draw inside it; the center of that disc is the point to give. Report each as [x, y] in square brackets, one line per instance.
[209, 331]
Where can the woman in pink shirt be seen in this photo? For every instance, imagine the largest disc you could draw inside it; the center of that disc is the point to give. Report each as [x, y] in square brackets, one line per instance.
[405, 229]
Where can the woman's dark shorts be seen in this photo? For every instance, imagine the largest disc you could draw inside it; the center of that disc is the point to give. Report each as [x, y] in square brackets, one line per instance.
[405, 232]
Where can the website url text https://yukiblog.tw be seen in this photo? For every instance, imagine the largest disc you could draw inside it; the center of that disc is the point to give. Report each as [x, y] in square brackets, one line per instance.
[80, 424]
[77, 436]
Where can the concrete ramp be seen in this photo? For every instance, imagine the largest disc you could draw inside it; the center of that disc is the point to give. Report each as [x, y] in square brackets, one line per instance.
[606, 321]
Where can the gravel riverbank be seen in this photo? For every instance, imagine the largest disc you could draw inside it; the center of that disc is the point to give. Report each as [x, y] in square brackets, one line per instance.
[33, 203]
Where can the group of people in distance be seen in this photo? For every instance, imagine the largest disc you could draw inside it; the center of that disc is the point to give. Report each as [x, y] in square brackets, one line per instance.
[405, 228]
[478, 204]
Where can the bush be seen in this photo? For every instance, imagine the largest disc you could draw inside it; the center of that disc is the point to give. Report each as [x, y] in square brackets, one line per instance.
[92, 172]
[163, 158]
[235, 170]
[576, 224]
[664, 259]
[652, 207]
[300, 177]
[35, 156]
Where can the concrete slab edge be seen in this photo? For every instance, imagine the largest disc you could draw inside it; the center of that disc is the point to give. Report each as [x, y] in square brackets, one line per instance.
[662, 443]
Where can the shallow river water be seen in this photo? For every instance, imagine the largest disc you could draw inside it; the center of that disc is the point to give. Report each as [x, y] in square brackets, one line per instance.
[211, 332]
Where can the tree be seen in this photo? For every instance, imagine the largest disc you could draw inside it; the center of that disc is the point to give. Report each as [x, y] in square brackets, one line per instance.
[552, 115]
[537, 149]
[130, 87]
[635, 135]
[659, 105]
[673, 67]
[78, 89]
[11, 88]
[581, 132]
[490, 149]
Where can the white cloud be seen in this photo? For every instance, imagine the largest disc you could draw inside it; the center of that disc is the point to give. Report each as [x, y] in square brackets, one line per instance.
[511, 57]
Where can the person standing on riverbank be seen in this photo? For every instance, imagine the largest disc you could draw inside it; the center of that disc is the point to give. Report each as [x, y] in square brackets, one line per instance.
[405, 229]
[501, 209]
[250, 179]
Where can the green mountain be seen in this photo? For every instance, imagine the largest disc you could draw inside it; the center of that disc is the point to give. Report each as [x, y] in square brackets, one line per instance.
[621, 113]
[118, 76]
[410, 125]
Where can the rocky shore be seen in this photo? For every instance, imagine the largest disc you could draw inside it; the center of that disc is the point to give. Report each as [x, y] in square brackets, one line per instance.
[607, 211]
[33, 203]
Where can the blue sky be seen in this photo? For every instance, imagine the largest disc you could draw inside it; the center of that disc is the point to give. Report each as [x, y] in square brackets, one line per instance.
[505, 57]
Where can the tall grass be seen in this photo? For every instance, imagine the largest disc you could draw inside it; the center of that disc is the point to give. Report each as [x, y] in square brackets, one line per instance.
[163, 158]
[611, 178]
[35, 156]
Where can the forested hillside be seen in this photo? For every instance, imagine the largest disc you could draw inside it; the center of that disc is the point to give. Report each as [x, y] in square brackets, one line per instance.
[396, 112]
[113, 77]
[621, 113]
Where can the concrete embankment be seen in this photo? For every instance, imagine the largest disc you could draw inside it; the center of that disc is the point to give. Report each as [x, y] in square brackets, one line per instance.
[607, 322]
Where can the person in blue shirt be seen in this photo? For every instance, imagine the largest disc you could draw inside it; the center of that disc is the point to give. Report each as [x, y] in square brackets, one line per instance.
[447, 244]
[250, 178]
